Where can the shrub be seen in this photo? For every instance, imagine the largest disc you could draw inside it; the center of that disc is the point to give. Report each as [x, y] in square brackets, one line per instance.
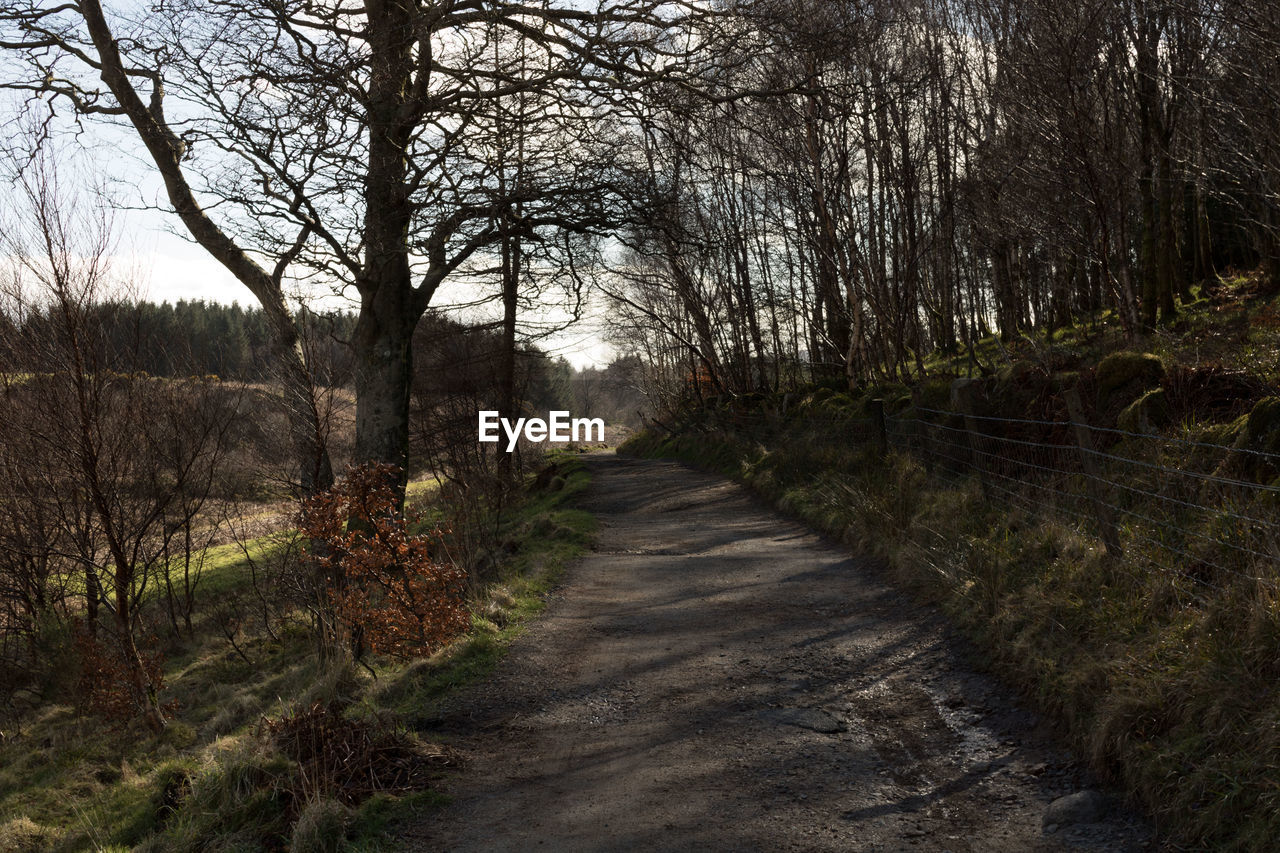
[23, 835]
[346, 759]
[111, 685]
[385, 585]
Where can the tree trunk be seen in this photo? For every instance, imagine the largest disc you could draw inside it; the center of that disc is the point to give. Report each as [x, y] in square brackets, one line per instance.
[510, 309]
[145, 694]
[1006, 301]
[92, 597]
[1204, 243]
[383, 366]
[1147, 255]
[389, 304]
[306, 429]
[1167, 244]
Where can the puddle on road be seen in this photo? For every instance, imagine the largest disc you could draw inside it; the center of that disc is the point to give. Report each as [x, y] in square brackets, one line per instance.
[978, 745]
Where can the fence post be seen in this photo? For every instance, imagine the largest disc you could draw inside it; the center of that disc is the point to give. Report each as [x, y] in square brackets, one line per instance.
[877, 424]
[924, 447]
[962, 398]
[1084, 444]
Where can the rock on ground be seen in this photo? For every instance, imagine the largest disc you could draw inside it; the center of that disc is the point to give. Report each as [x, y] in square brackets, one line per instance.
[1080, 807]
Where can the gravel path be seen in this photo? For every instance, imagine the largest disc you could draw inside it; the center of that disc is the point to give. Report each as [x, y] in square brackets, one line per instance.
[715, 677]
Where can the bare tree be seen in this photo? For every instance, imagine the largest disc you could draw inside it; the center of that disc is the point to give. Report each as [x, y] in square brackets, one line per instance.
[345, 142]
[108, 468]
[916, 175]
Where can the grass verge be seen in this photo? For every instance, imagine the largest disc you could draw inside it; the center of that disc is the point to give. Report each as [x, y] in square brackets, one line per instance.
[212, 780]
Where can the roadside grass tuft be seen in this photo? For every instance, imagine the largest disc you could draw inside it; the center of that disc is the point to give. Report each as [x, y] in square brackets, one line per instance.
[551, 533]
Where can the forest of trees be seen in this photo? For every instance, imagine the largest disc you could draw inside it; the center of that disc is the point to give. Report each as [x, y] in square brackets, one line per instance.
[765, 191]
[926, 173]
[202, 338]
[208, 339]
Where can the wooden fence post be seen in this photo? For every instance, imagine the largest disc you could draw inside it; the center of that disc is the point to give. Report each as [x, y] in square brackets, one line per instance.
[924, 443]
[878, 426]
[1084, 444]
[962, 398]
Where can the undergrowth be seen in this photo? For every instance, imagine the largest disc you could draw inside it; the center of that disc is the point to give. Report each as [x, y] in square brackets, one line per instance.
[238, 768]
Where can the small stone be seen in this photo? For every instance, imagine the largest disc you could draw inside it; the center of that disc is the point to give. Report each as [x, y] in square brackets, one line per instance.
[813, 719]
[1081, 807]
[1051, 829]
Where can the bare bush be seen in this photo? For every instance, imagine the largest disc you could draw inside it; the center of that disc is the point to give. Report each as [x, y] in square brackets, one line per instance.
[389, 590]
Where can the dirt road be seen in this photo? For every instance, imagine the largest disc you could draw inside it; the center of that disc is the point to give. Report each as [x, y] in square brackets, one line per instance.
[715, 677]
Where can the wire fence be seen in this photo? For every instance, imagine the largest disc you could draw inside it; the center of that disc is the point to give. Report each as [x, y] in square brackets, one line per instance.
[1206, 515]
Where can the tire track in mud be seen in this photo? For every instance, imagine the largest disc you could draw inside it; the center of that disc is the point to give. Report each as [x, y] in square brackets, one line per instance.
[715, 677]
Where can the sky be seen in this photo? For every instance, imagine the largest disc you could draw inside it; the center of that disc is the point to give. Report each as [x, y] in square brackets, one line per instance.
[166, 266]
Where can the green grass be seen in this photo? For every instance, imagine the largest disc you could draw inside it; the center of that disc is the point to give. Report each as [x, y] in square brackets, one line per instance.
[93, 785]
[419, 490]
[69, 783]
[226, 567]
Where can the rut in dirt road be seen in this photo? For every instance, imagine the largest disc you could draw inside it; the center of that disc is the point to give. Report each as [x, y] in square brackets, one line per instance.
[715, 677]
